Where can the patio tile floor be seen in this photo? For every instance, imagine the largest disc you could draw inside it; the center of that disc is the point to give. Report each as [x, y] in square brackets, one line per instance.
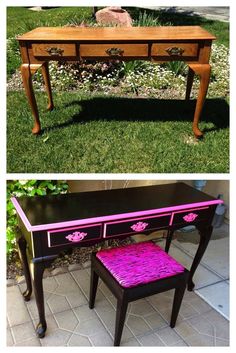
[71, 323]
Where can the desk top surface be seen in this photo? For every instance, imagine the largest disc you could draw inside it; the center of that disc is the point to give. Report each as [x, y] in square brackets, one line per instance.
[51, 211]
[118, 33]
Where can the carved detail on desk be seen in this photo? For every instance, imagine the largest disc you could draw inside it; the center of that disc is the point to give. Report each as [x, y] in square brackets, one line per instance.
[176, 51]
[190, 217]
[54, 51]
[139, 227]
[76, 236]
[115, 51]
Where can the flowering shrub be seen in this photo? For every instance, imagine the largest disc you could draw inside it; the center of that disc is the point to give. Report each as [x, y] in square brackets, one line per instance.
[135, 77]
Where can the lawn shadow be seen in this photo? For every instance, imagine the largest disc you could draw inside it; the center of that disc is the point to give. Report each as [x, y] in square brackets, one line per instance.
[215, 111]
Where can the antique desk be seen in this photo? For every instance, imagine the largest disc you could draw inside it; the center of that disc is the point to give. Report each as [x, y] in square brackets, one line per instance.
[191, 44]
[49, 225]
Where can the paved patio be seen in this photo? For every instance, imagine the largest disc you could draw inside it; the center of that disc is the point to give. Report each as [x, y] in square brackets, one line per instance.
[72, 323]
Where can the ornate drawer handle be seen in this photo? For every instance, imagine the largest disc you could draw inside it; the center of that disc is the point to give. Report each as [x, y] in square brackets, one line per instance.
[190, 217]
[114, 51]
[54, 51]
[76, 237]
[175, 51]
[138, 227]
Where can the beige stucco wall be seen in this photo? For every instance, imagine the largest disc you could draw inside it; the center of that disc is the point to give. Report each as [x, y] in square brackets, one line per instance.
[213, 187]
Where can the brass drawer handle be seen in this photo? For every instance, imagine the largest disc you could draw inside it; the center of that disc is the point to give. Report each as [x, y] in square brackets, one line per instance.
[175, 51]
[114, 51]
[54, 51]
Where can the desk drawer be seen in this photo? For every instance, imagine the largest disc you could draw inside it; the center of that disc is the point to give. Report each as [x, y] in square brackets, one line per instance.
[113, 50]
[75, 235]
[54, 49]
[136, 225]
[175, 50]
[190, 216]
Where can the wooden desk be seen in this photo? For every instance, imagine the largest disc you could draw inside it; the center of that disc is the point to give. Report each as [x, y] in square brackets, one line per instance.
[52, 224]
[191, 44]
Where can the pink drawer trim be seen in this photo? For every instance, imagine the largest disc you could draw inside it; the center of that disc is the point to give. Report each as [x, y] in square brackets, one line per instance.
[188, 210]
[130, 220]
[71, 229]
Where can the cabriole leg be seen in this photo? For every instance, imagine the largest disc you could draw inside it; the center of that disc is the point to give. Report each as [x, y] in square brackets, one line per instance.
[22, 244]
[204, 72]
[27, 82]
[46, 77]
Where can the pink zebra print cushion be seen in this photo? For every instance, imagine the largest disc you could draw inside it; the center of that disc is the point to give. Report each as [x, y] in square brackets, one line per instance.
[140, 263]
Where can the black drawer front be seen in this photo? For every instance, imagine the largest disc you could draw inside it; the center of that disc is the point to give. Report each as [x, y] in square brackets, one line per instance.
[74, 235]
[190, 216]
[134, 225]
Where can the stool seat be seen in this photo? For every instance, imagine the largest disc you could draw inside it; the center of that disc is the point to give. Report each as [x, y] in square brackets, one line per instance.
[140, 263]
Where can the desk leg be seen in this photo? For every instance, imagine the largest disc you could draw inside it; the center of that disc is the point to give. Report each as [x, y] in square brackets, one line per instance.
[27, 82]
[189, 83]
[169, 239]
[21, 242]
[46, 77]
[37, 270]
[205, 236]
[204, 72]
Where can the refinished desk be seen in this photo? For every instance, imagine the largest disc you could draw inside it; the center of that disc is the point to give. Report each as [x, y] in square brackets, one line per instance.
[191, 44]
[49, 225]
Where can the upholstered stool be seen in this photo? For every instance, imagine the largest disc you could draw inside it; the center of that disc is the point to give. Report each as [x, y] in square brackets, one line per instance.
[137, 271]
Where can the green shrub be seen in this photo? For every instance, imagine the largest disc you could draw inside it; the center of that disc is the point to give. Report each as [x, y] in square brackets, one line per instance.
[27, 188]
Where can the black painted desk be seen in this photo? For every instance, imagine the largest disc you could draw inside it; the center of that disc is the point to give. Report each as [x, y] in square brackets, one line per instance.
[52, 224]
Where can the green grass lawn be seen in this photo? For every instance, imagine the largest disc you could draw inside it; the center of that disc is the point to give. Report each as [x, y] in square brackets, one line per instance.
[118, 135]
[91, 133]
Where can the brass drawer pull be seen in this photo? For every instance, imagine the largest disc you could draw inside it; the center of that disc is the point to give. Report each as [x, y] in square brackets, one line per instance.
[175, 51]
[54, 51]
[114, 51]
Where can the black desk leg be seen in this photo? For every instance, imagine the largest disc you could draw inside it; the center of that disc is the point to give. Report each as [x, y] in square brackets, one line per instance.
[24, 261]
[169, 237]
[37, 270]
[205, 236]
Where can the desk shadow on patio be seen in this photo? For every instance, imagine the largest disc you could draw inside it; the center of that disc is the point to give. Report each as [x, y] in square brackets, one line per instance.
[215, 111]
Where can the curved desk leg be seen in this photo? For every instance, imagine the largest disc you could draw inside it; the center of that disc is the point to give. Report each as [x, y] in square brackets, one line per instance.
[189, 83]
[24, 261]
[27, 82]
[204, 72]
[205, 236]
[37, 270]
[46, 77]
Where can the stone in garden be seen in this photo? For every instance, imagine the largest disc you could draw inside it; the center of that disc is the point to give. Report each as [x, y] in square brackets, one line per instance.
[36, 8]
[114, 15]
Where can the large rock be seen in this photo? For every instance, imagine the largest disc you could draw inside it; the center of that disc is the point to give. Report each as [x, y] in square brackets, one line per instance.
[114, 15]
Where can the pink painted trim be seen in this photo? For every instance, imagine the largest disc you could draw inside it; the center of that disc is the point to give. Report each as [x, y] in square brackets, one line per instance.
[73, 228]
[192, 209]
[21, 214]
[107, 218]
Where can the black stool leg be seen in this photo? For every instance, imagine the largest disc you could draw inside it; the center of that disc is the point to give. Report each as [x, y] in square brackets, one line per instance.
[93, 287]
[179, 293]
[120, 320]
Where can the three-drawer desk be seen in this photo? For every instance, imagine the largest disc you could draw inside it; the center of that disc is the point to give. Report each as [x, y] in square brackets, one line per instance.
[191, 44]
[49, 225]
